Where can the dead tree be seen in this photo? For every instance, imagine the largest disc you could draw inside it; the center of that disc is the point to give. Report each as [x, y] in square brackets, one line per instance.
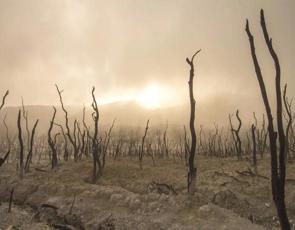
[30, 153]
[3, 99]
[141, 152]
[165, 142]
[21, 146]
[289, 119]
[192, 170]
[2, 160]
[65, 144]
[186, 147]
[86, 150]
[68, 133]
[97, 165]
[278, 164]
[51, 141]
[77, 140]
[236, 135]
[253, 127]
[261, 135]
[25, 116]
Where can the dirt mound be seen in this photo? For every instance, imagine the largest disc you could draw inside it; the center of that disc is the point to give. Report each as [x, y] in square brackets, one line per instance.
[229, 200]
[79, 205]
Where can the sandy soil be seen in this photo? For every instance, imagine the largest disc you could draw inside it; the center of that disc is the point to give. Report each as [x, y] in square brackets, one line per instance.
[126, 198]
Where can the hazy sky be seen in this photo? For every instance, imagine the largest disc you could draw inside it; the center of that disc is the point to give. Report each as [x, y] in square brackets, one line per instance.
[124, 46]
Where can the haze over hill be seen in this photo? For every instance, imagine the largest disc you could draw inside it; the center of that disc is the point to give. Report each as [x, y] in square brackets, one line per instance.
[131, 114]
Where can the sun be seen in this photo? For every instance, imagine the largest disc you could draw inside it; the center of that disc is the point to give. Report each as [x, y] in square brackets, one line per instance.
[149, 97]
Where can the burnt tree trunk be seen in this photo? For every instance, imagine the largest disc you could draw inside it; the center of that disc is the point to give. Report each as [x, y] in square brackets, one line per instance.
[2, 160]
[141, 151]
[30, 154]
[21, 146]
[289, 119]
[97, 165]
[192, 170]
[51, 142]
[68, 133]
[278, 164]
[236, 135]
[254, 148]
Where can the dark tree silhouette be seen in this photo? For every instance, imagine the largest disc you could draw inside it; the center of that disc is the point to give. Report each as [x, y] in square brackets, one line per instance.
[31, 146]
[97, 164]
[66, 151]
[3, 99]
[51, 141]
[141, 151]
[236, 135]
[68, 133]
[21, 144]
[192, 171]
[2, 160]
[86, 128]
[253, 127]
[289, 119]
[278, 164]
[26, 117]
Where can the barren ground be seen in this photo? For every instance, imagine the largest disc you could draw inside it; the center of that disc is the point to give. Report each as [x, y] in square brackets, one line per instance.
[124, 198]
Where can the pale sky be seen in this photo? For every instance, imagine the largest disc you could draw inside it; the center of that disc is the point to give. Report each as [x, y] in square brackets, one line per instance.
[125, 47]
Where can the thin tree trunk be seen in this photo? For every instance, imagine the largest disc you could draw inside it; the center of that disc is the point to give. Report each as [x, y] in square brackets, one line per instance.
[192, 172]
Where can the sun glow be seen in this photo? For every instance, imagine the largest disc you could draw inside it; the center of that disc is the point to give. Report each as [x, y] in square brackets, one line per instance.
[149, 97]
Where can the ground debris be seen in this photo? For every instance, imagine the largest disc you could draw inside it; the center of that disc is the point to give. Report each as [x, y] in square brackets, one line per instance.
[161, 188]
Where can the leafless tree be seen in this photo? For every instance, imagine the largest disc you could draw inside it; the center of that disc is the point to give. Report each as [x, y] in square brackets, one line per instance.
[65, 142]
[2, 160]
[68, 132]
[261, 136]
[3, 99]
[186, 147]
[289, 119]
[141, 151]
[86, 128]
[278, 164]
[165, 142]
[21, 144]
[25, 116]
[236, 135]
[192, 171]
[97, 165]
[52, 142]
[30, 153]
[253, 127]
[82, 136]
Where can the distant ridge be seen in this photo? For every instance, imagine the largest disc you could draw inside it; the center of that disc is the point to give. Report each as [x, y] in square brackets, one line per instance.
[131, 114]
